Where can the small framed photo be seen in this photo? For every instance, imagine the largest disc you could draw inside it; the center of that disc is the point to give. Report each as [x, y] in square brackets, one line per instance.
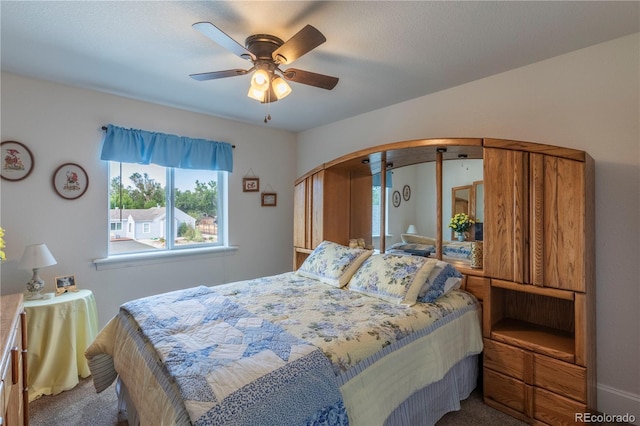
[65, 284]
[269, 199]
[70, 181]
[251, 184]
[17, 161]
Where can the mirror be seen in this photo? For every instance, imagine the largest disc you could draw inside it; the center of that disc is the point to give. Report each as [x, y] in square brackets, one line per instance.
[460, 202]
[458, 177]
[416, 188]
[428, 192]
[477, 210]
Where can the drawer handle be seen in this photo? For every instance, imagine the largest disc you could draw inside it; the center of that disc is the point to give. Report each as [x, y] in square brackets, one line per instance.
[15, 354]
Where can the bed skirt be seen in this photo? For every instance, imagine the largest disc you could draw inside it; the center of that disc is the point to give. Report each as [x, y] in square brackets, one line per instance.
[423, 408]
[428, 405]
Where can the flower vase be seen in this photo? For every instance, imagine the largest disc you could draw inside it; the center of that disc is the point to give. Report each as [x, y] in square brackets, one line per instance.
[461, 236]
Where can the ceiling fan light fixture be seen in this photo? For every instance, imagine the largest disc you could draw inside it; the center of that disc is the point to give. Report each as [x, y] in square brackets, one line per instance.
[260, 80]
[256, 94]
[280, 87]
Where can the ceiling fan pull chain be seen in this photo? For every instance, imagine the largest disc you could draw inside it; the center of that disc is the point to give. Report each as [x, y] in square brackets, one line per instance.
[268, 116]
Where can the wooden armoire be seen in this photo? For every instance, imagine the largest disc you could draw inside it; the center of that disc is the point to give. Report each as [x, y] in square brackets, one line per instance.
[537, 286]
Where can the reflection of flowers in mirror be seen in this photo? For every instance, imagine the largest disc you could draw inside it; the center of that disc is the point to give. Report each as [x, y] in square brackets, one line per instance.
[460, 222]
[2, 255]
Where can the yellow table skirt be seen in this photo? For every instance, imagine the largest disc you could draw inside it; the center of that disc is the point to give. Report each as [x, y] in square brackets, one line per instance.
[58, 332]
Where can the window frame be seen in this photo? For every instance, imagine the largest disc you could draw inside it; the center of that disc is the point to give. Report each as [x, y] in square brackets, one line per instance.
[171, 249]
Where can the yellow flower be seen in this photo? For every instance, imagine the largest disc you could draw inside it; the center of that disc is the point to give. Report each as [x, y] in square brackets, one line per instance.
[460, 222]
[2, 255]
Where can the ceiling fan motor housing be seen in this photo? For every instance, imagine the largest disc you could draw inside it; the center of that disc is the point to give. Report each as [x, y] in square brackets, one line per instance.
[263, 46]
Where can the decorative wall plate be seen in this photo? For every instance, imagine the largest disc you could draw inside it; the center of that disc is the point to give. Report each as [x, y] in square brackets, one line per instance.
[396, 198]
[406, 192]
[70, 181]
[17, 161]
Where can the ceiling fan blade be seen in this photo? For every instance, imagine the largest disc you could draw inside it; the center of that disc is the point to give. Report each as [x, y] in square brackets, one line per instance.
[217, 74]
[302, 42]
[217, 35]
[311, 78]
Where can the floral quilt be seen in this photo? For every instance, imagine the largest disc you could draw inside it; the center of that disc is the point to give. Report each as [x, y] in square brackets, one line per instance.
[273, 350]
[347, 326]
[232, 367]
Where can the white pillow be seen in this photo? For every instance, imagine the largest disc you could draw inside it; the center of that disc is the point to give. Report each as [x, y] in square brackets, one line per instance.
[332, 263]
[395, 278]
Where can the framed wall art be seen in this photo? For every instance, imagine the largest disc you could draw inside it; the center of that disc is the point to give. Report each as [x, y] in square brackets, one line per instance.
[269, 199]
[65, 284]
[406, 192]
[70, 181]
[17, 161]
[396, 198]
[250, 184]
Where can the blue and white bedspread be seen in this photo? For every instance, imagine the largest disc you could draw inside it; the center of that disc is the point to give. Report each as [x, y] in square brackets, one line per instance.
[232, 367]
[294, 350]
[458, 250]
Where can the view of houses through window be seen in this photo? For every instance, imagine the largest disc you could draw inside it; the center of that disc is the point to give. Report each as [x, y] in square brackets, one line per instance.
[148, 203]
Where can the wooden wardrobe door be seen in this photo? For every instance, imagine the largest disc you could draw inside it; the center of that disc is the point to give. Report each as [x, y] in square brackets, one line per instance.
[558, 222]
[506, 214]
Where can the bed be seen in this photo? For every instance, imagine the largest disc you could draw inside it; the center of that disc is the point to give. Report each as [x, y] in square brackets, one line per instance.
[419, 245]
[349, 338]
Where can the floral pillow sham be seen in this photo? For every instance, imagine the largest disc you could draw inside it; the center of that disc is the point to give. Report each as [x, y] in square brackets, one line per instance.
[394, 278]
[333, 263]
[442, 279]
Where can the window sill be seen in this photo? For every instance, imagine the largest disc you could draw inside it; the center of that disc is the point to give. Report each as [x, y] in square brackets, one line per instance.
[150, 258]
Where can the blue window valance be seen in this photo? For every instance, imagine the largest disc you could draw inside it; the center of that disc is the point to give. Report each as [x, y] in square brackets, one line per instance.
[143, 147]
[376, 179]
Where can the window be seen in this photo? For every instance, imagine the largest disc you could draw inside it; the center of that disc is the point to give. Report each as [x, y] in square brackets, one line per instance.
[154, 202]
[375, 220]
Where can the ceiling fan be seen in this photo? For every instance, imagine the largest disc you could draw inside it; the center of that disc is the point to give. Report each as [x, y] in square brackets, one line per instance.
[267, 53]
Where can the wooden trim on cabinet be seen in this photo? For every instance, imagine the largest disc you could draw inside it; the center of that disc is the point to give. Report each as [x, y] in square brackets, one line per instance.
[557, 151]
[543, 291]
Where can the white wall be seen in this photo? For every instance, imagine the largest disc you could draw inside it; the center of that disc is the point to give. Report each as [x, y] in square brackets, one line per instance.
[587, 100]
[61, 124]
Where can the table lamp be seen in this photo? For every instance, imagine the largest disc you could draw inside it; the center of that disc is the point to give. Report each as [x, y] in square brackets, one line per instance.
[36, 256]
[411, 230]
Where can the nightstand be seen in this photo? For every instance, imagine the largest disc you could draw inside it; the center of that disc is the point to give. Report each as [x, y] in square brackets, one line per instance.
[59, 330]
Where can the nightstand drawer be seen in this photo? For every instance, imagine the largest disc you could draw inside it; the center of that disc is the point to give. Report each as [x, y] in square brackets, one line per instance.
[560, 377]
[507, 359]
[554, 409]
[505, 390]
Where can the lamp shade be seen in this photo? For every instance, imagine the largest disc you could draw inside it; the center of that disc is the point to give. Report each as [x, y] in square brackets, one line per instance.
[256, 94]
[412, 229]
[260, 80]
[280, 87]
[36, 256]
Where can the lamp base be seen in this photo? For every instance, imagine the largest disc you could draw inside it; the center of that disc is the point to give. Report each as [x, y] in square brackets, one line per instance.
[32, 296]
[34, 287]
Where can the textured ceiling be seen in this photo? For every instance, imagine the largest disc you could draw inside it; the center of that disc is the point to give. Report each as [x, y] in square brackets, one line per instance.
[383, 52]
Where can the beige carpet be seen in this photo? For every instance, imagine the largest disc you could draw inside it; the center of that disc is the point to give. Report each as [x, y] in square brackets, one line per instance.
[82, 406]
[79, 406]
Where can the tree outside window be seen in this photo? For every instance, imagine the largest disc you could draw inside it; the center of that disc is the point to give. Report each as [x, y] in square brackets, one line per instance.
[138, 198]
